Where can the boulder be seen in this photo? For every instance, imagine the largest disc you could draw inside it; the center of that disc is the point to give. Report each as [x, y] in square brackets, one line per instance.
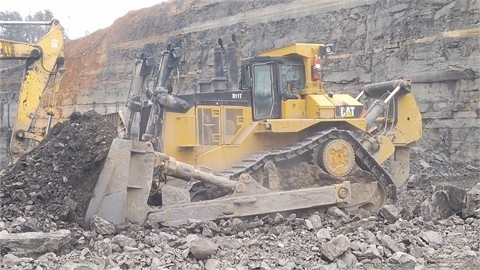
[401, 260]
[102, 226]
[390, 213]
[124, 241]
[335, 247]
[34, 242]
[202, 248]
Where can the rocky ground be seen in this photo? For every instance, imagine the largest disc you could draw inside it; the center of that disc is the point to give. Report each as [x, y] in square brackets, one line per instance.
[435, 224]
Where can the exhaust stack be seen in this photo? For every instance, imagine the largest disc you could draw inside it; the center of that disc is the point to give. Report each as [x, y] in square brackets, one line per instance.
[218, 61]
[219, 82]
[232, 66]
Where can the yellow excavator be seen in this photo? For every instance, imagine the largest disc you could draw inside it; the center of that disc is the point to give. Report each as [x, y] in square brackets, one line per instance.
[36, 99]
[220, 151]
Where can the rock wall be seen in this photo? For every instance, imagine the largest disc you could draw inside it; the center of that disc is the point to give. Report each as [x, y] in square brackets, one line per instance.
[434, 43]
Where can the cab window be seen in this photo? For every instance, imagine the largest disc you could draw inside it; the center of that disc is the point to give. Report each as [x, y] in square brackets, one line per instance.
[245, 81]
[293, 78]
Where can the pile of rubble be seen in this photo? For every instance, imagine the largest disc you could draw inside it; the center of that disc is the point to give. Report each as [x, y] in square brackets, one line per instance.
[435, 224]
[51, 186]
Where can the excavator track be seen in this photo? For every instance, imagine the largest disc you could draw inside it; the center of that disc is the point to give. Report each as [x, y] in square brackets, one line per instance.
[364, 160]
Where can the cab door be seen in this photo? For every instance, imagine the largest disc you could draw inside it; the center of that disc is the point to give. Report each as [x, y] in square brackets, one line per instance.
[266, 103]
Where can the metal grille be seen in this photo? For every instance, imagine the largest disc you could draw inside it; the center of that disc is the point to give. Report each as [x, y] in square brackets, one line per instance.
[209, 126]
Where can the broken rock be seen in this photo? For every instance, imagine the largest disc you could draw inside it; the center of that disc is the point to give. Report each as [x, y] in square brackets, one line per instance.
[335, 247]
[314, 222]
[202, 248]
[446, 201]
[102, 226]
[323, 234]
[212, 264]
[34, 242]
[102, 248]
[124, 241]
[10, 260]
[371, 252]
[401, 260]
[349, 260]
[335, 212]
[432, 237]
[388, 242]
[390, 213]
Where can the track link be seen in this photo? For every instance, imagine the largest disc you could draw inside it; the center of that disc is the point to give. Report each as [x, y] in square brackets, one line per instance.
[362, 158]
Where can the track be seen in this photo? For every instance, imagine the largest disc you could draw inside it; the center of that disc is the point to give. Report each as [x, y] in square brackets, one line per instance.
[364, 160]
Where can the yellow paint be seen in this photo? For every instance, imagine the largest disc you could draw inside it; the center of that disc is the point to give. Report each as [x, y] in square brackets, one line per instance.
[16, 50]
[293, 109]
[409, 121]
[343, 100]
[386, 149]
[318, 106]
[33, 90]
[179, 137]
[297, 125]
[338, 158]
[182, 137]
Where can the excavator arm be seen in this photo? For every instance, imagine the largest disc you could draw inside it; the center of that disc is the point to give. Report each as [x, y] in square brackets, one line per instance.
[16, 50]
[44, 63]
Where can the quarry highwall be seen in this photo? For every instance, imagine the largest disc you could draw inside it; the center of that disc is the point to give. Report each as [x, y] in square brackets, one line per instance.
[433, 43]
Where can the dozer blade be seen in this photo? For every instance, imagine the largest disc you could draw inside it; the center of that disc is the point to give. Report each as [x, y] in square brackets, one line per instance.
[124, 184]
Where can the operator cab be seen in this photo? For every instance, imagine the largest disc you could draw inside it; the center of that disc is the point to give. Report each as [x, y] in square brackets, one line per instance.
[271, 80]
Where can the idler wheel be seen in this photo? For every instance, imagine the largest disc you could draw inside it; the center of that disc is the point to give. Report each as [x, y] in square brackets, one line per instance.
[336, 157]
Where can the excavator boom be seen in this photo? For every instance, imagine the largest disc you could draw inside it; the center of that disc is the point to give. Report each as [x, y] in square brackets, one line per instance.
[36, 99]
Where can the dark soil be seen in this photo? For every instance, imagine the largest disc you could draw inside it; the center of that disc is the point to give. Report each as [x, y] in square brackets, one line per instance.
[55, 180]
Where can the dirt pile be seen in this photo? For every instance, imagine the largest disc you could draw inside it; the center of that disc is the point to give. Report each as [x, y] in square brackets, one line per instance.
[51, 186]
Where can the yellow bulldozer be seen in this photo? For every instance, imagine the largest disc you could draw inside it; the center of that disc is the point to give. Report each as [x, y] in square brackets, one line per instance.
[218, 152]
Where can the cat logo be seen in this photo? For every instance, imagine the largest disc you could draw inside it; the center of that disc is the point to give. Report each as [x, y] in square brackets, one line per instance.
[346, 111]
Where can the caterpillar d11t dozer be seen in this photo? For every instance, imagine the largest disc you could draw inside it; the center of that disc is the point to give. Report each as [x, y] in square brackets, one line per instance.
[219, 152]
